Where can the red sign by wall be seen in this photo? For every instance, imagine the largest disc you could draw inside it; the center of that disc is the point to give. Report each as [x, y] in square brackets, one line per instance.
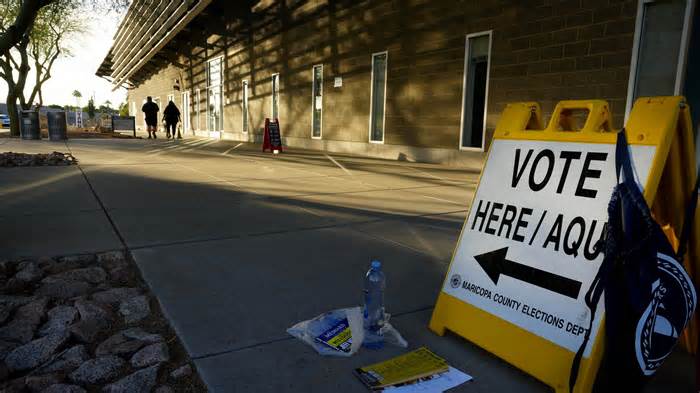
[272, 140]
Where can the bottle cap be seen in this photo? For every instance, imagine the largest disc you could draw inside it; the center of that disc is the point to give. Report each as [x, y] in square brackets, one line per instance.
[376, 264]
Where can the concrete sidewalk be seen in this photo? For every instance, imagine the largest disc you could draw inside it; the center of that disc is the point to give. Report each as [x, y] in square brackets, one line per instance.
[238, 246]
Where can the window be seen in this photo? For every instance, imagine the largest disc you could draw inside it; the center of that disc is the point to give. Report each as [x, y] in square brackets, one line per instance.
[198, 101]
[215, 107]
[475, 90]
[275, 96]
[186, 111]
[661, 33]
[316, 101]
[377, 98]
[171, 97]
[245, 106]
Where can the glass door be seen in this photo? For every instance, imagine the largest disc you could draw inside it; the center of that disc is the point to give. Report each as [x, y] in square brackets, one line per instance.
[215, 108]
[186, 111]
[197, 110]
[245, 106]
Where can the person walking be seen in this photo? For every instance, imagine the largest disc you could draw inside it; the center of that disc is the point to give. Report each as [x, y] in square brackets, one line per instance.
[171, 115]
[150, 109]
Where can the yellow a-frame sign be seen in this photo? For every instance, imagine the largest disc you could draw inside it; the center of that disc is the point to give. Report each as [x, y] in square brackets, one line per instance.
[526, 255]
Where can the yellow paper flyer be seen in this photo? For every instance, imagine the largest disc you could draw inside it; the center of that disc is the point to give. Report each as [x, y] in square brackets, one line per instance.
[409, 367]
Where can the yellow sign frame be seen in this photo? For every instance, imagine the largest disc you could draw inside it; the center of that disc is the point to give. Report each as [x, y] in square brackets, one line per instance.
[663, 122]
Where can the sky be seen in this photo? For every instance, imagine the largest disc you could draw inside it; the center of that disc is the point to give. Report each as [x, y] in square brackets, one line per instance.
[78, 72]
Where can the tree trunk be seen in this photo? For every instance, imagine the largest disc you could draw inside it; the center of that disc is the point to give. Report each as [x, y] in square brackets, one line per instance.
[12, 112]
[22, 24]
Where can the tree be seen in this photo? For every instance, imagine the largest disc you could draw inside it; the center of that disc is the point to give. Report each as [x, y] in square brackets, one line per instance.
[90, 109]
[123, 109]
[52, 28]
[24, 17]
[78, 95]
[108, 104]
[28, 10]
[36, 29]
[42, 45]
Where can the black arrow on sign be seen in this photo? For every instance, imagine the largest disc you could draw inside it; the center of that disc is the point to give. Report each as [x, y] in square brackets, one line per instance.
[495, 263]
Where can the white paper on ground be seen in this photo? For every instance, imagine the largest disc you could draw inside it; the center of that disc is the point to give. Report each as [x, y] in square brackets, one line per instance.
[439, 384]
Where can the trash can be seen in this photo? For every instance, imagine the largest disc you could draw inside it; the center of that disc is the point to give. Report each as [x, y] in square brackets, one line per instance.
[30, 125]
[57, 126]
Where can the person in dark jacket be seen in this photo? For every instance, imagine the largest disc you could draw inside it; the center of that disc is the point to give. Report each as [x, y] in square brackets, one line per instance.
[150, 109]
[171, 115]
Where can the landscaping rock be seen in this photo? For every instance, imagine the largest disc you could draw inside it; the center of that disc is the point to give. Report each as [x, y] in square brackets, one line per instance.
[99, 370]
[122, 275]
[118, 344]
[87, 331]
[111, 259]
[5, 348]
[140, 334]
[93, 311]
[33, 311]
[56, 267]
[135, 309]
[83, 259]
[93, 275]
[14, 285]
[37, 383]
[4, 372]
[181, 372]
[82, 298]
[61, 388]
[45, 261]
[63, 289]
[23, 325]
[10, 159]
[13, 302]
[4, 313]
[141, 381]
[30, 273]
[17, 330]
[6, 267]
[116, 295]
[150, 355]
[15, 386]
[22, 264]
[35, 352]
[68, 361]
[60, 319]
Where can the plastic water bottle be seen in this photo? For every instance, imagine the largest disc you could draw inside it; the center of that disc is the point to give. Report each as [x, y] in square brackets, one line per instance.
[374, 286]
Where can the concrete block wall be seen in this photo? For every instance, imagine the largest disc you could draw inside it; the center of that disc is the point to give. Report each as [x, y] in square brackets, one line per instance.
[542, 50]
[157, 87]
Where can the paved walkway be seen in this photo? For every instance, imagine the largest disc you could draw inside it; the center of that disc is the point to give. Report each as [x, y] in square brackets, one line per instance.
[238, 245]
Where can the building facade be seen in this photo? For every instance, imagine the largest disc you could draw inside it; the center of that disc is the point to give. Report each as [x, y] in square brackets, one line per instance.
[421, 80]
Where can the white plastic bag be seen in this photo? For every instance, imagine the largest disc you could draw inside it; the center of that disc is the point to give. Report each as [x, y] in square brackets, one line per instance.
[391, 335]
[310, 331]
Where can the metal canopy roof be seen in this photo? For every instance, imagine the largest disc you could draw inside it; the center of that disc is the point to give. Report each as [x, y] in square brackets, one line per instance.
[156, 33]
[147, 27]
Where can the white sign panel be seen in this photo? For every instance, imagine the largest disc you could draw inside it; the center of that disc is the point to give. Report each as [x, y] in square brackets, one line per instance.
[338, 81]
[527, 251]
